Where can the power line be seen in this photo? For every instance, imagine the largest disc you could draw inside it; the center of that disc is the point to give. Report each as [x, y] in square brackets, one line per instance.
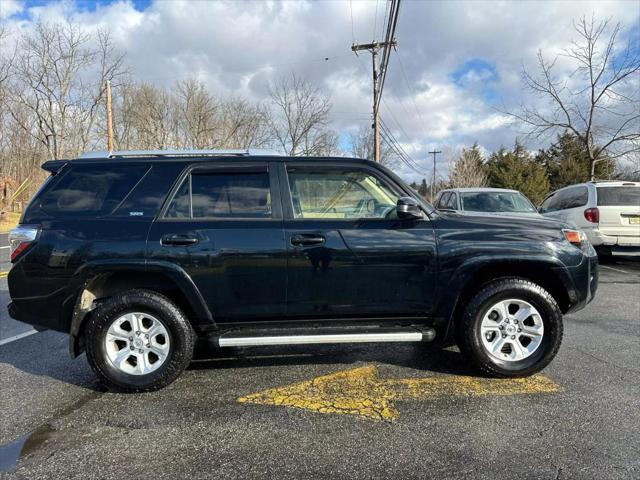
[411, 93]
[389, 41]
[380, 71]
[399, 149]
[353, 35]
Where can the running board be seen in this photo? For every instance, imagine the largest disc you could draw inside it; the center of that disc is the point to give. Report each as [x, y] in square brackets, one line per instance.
[254, 339]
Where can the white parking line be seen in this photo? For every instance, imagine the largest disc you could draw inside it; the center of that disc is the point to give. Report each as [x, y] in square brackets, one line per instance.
[17, 337]
[4, 248]
[614, 269]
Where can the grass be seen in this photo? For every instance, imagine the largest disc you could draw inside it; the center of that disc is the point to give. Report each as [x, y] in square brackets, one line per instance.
[9, 220]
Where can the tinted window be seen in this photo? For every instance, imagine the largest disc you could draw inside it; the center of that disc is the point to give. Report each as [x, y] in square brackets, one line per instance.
[340, 194]
[550, 204]
[444, 198]
[205, 195]
[92, 190]
[573, 198]
[619, 196]
[495, 202]
[452, 202]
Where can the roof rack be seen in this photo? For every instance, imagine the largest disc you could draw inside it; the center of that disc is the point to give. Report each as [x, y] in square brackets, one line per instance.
[247, 152]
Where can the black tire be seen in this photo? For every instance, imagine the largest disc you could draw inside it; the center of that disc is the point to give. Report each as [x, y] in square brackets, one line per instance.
[182, 340]
[468, 330]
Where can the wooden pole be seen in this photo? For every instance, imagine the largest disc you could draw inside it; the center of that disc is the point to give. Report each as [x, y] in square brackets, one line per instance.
[109, 119]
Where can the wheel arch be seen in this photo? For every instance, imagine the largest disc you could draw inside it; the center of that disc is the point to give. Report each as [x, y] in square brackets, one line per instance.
[550, 274]
[98, 281]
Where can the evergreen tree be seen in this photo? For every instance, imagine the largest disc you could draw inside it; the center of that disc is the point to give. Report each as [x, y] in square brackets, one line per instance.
[567, 162]
[423, 189]
[516, 169]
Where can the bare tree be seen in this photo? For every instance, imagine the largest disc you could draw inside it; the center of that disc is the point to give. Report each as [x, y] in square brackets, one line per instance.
[299, 118]
[197, 111]
[598, 102]
[362, 147]
[468, 170]
[245, 125]
[60, 79]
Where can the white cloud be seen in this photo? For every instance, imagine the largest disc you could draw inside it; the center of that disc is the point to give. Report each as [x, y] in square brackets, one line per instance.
[237, 48]
[10, 7]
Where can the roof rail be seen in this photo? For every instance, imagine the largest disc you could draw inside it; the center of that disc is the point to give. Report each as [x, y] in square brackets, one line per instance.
[246, 152]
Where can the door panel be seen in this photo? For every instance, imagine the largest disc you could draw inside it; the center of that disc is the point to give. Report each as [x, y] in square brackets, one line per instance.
[366, 266]
[236, 257]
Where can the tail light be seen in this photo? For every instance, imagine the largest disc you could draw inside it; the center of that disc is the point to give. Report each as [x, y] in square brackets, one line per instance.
[21, 238]
[592, 215]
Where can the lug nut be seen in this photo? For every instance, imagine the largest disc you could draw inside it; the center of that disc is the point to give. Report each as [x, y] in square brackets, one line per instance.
[519, 330]
[501, 327]
[132, 347]
[140, 351]
[137, 333]
[130, 339]
[506, 321]
[513, 337]
[504, 335]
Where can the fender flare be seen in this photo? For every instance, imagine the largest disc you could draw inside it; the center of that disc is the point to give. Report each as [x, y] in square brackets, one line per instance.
[450, 294]
[89, 271]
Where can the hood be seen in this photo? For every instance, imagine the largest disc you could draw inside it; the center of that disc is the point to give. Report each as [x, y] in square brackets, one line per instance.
[501, 220]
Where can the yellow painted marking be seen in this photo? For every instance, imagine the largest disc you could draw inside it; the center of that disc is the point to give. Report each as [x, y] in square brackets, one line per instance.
[361, 392]
[3, 274]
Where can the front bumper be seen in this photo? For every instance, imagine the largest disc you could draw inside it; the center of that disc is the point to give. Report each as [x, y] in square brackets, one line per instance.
[585, 281]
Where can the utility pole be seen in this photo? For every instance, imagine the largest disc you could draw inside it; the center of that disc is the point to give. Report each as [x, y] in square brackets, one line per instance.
[373, 48]
[433, 179]
[109, 119]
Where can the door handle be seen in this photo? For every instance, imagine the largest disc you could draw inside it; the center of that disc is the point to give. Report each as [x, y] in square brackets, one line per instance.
[305, 240]
[178, 240]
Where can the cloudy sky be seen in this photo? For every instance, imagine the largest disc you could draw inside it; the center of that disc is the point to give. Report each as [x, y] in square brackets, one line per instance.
[457, 64]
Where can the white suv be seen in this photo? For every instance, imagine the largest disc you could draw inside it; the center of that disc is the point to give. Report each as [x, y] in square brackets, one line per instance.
[608, 212]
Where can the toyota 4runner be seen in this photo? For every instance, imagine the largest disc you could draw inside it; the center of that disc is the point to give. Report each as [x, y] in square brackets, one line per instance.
[136, 255]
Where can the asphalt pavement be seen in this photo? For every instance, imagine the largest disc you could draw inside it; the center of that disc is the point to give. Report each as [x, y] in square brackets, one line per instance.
[57, 422]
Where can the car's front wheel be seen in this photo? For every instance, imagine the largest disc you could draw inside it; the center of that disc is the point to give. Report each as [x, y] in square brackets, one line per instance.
[511, 327]
[138, 341]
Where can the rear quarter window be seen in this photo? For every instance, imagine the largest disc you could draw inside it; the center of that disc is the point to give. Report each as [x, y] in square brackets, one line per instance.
[619, 196]
[91, 190]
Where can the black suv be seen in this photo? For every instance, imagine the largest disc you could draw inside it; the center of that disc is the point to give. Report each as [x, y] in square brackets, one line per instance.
[136, 255]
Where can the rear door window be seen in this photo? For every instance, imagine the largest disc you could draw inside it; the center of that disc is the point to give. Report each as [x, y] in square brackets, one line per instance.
[91, 190]
[619, 196]
[574, 197]
[222, 195]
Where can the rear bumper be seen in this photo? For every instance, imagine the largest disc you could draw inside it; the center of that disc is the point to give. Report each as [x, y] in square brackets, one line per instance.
[44, 312]
[597, 238]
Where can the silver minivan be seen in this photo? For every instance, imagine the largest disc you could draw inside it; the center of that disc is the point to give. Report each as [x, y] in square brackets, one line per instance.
[607, 211]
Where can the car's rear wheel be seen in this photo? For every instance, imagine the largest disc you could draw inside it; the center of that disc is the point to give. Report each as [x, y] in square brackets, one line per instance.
[138, 341]
[511, 327]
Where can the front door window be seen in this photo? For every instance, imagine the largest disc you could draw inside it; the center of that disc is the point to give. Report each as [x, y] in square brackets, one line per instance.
[340, 194]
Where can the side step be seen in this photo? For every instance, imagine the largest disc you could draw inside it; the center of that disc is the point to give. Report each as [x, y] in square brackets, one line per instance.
[255, 338]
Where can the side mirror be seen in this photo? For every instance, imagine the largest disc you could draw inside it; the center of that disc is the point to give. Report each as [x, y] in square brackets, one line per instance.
[408, 208]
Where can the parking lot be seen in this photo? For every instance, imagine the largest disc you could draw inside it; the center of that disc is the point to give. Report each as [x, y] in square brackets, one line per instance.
[371, 411]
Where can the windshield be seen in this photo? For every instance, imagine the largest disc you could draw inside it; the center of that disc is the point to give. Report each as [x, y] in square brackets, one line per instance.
[619, 196]
[495, 202]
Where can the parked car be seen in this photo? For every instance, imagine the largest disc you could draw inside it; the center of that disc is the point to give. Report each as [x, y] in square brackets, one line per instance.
[486, 200]
[608, 212]
[137, 254]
